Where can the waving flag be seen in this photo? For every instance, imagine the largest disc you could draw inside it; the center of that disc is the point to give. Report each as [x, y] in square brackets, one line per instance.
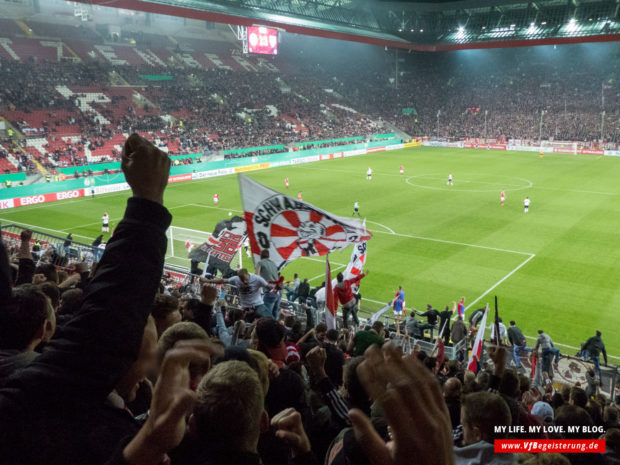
[358, 259]
[476, 350]
[330, 298]
[291, 228]
[221, 247]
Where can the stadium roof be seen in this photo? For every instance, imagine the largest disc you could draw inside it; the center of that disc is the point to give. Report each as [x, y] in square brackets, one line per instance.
[416, 24]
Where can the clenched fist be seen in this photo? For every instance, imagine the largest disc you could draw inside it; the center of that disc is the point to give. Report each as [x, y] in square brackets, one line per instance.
[146, 168]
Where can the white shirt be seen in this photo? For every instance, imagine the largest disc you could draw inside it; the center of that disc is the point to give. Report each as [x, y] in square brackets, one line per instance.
[356, 205]
[250, 295]
[526, 202]
[105, 219]
[502, 331]
[369, 172]
[450, 177]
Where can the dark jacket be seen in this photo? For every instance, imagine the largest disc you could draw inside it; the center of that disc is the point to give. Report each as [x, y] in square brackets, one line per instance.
[303, 290]
[54, 411]
[515, 336]
[595, 346]
[431, 315]
[12, 361]
[459, 331]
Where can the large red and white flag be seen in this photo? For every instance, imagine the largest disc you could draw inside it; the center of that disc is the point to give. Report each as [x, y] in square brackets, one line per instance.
[358, 259]
[331, 304]
[476, 350]
[291, 228]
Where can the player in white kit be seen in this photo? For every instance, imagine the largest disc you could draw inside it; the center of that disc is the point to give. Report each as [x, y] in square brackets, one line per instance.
[369, 174]
[105, 223]
[449, 183]
[526, 204]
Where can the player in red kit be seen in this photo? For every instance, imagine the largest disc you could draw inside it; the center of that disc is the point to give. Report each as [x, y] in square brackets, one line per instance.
[216, 199]
[402, 170]
[502, 198]
[286, 182]
[299, 196]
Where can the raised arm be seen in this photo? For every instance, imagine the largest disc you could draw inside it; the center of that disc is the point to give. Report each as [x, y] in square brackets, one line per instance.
[94, 349]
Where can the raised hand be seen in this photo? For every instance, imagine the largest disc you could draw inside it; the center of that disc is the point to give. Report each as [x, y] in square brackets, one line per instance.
[208, 294]
[414, 408]
[172, 401]
[290, 429]
[146, 168]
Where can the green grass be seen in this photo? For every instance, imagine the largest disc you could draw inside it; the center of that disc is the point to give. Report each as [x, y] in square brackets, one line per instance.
[555, 268]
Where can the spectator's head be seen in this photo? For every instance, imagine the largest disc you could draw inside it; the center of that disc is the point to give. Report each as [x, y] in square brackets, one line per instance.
[244, 276]
[229, 412]
[578, 397]
[540, 331]
[598, 334]
[320, 331]
[264, 253]
[481, 412]
[189, 308]
[332, 336]
[165, 311]
[183, 331]
[509, 385]
[289, 321]
[70, 301]
[512, 323]
[612, 440]
[543, 411]
[49, 271]
[571, 415]
[557, 401]
[378, 328]
[50, 289]
[270, 338]
[610, 417]
[26, 320]
[452, 388]
[144, 364]
[340, 277]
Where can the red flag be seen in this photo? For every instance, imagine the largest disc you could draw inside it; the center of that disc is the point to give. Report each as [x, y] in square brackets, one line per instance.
[330, 300]
[476, 351]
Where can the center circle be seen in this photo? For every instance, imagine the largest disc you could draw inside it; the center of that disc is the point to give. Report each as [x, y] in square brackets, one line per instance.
[439, 182]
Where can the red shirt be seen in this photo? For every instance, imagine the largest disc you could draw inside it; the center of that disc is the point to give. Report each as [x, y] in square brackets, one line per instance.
[344, 294]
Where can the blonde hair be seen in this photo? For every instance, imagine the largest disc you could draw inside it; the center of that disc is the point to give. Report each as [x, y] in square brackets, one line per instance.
[229, 407]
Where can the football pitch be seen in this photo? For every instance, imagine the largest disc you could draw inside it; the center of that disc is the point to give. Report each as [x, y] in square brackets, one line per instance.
[555, 268]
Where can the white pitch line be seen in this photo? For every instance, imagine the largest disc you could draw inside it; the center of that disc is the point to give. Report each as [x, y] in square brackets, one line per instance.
[118, 218]
[323, 274]
[322, 261]
[209, 206]
[501, 280]
[390, 230]
[432, 239]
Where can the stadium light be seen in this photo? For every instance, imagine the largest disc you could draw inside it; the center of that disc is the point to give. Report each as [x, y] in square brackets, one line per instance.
[543, 23]
[461, 29]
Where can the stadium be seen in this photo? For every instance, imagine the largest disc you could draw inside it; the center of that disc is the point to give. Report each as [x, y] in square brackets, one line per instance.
[288, 217]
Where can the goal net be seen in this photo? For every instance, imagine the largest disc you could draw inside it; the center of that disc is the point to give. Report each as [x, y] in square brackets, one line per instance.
[182, 240]
[561, 146]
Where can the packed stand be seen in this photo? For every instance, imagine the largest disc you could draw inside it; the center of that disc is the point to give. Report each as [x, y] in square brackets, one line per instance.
[107, 365]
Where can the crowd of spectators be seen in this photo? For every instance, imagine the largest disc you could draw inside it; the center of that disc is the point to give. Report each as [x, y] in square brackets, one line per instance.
[515, 94]
[111, 366]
